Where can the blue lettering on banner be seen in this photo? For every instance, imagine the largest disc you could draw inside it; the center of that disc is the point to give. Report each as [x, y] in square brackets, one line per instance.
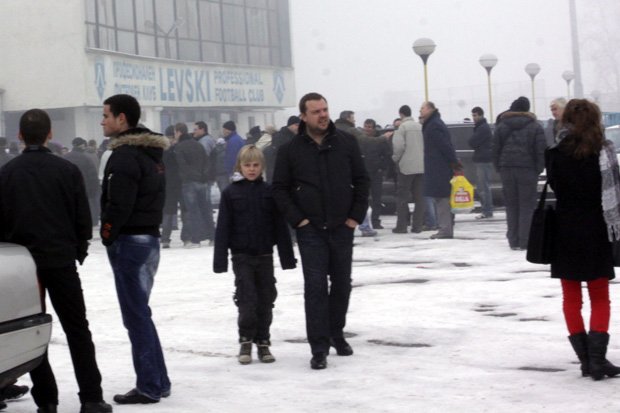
[184, 85]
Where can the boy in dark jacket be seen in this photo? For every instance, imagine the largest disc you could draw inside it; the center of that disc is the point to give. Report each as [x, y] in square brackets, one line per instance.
[249, 225]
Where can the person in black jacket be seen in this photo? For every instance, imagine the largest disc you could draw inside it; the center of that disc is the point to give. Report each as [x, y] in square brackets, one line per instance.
[320, 184]
[132, 200]
[88, 168]
[582, 167]
[173, 189]
[480, 142]
[43, 206]
[249, 225]
[519, 157]
[193, 166]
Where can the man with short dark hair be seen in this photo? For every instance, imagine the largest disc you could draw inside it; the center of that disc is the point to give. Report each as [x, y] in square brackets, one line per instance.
[132, 201]
[480, 142]
[408, 156]
[234, 143]
[320, 184]
[43, 206]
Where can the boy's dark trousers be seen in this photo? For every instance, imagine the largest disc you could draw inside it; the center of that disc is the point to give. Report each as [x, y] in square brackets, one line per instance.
[254, 295]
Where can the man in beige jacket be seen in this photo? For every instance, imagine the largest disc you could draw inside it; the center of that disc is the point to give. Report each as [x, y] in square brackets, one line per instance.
[408, 156]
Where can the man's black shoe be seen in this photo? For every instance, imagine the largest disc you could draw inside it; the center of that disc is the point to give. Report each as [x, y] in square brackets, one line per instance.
[342, 347]
[319, 361]
[96, 407]
[133, 397]
[12, 392]
[399, 230]
[50, 408]
[2, 405]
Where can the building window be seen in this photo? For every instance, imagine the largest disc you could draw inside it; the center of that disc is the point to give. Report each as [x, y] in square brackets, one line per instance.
[254, 32]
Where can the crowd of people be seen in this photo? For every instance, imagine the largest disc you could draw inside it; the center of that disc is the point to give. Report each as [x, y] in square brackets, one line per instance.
[310, 182]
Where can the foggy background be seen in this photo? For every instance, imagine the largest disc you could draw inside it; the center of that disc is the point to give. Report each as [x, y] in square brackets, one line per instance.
[358, 53]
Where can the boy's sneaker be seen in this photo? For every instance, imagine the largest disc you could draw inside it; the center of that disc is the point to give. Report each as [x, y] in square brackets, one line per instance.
[245, 351]
[264, 355]
[189, 244]
[369, 233]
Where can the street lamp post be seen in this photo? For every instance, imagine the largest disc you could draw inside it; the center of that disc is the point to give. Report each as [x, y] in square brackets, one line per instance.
[424, 47]
[488, 61]
[568, 75]
[532, 69]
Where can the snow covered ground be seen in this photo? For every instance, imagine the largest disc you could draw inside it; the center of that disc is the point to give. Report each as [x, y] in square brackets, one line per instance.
[461, 325]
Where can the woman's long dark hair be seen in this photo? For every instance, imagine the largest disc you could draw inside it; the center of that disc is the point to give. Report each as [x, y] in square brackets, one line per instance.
[585, 129]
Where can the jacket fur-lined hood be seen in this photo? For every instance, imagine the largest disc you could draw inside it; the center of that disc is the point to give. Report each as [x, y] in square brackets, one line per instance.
[511, 114]
[140, 137]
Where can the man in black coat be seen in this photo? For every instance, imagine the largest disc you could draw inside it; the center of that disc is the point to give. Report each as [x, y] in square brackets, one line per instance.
[480, 142]
[132, 201]
[320, 184]
[193, 167]
[43, 206]
[519, 156]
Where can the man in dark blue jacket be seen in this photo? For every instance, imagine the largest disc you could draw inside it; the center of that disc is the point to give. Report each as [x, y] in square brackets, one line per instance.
[43, 206]
[321, 185]
[439, 164]
[480, 142]
[132, 201]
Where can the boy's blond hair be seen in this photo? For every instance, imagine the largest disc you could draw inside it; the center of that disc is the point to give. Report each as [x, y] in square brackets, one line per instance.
[249, 153]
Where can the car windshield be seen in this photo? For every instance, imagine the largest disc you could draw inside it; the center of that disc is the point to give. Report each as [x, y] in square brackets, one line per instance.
[613, 134]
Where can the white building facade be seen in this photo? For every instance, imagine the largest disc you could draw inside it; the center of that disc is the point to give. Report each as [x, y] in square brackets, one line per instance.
[184, 60]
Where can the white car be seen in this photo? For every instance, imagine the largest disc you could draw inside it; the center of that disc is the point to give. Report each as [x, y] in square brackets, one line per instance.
[25, 329]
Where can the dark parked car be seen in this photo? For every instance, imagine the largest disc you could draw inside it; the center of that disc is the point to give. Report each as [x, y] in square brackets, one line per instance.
[24, 328]
[460, 133]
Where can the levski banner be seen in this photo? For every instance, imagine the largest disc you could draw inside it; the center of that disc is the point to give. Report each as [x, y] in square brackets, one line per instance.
[156, 83]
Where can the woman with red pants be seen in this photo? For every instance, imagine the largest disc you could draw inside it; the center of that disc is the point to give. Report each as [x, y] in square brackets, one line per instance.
[580, 168]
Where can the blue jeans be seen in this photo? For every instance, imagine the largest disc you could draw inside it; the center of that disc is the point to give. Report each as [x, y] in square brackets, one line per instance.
[198, 216]
[430, 214]
[483, 172]
[134, 260]
[325, 253]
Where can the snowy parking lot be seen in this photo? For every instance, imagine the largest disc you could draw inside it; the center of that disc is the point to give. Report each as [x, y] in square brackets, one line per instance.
[457, 325]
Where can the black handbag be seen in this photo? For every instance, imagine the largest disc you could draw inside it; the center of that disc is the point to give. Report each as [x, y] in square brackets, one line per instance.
[542, 231]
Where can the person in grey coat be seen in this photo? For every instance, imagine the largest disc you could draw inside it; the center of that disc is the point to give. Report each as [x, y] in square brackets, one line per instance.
[408, 156]
[519, 157]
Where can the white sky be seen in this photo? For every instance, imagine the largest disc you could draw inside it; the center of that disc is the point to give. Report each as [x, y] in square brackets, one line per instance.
[358, 52]
[491, 321]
